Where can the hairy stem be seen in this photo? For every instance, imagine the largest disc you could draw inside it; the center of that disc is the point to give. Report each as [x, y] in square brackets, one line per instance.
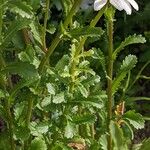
[45, 24]
[110, 74]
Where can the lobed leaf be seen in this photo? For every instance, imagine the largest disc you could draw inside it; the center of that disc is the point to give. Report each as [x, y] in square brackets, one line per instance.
[135, 119]
[127, 64]
[128, 41]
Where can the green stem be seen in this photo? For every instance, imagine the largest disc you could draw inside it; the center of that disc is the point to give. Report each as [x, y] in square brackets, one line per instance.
[7, 102]
[45, 24]
[110, 74]
[57, 39]
[138, 75]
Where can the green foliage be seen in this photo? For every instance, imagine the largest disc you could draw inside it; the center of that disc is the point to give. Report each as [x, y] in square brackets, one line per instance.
[54, 84]
[117, 136]
[128, 41]
[38, 144]
[135, 119]
[127, 64]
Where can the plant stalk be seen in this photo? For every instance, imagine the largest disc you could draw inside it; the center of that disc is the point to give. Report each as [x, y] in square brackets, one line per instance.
[7, 102]
[57, 38]
[45, 25]
[110, 75]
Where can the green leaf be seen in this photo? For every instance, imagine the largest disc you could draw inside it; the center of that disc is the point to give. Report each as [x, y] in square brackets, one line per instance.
[126, 66]
[135, 119]
[117, 136]
[20, 8]
[13, 28]
[69, 130]
[84, 119]
[50, 88]
[86, 31]
[38, 144]
[59, 98]
[22, 133]
[25, 70]
[98, 54]
[145, 144]
[83, 90]
[128, 41]
[2, 94]
[103, 142]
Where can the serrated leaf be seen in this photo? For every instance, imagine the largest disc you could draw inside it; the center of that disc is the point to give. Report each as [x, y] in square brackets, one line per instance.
[135, 119]
[2, 94]
[128, 41]
[25, 70]
[86, 31]
[98, 54]
[84, 119]
[83, 90]
[103, 142]
[50, 88]
[69, 130]
[128, 63]
[59, 98]
[117, 136]
[21, 8]
[35, 32]
[13, 28]
[38, 144]
[22, 133]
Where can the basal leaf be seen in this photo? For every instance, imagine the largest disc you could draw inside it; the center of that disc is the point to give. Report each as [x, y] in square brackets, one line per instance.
[135, 119]
[86, 31]
[128, 41]
[126, 66]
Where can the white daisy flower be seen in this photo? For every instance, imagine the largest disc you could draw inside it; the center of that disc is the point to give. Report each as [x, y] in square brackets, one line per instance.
[118, 4]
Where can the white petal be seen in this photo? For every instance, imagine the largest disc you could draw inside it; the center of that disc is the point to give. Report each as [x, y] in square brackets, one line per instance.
[134, 4]
[117, 4]
[99, 4]
[126, 6]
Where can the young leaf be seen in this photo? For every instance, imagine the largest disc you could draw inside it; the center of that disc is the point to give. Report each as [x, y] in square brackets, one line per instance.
[117, 136]
[126, 66]
[38, 144]
[128, 41]
[135, 119]
[86, 31]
